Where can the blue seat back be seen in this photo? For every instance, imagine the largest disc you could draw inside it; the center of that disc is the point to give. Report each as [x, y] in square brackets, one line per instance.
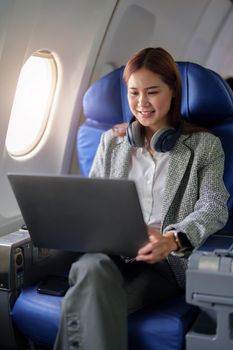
[104, 105]
[207, 100]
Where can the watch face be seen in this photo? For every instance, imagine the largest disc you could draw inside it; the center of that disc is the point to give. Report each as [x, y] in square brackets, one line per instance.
[181, 239]
[184, 241]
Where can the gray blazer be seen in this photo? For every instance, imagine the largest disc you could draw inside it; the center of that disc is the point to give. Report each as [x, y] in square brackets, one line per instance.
[195, 198]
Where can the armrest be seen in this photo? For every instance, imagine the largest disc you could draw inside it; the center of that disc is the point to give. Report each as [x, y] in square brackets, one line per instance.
[216, 242]
[210, 271]
[222, 239]
[209, 286]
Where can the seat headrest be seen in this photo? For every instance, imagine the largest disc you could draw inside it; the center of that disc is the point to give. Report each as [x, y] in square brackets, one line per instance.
[106, 100]
[206, 98]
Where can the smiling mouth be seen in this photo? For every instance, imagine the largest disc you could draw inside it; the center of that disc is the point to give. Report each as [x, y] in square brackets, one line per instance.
[146, 114]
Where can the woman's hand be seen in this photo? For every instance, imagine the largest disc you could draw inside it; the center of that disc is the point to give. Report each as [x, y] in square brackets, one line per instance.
[120, 129]
[158, 247]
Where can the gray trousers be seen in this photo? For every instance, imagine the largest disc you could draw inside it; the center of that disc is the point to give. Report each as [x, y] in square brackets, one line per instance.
[103, 291]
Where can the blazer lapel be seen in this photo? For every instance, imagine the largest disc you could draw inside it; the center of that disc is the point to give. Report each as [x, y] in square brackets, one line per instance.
[179, 160]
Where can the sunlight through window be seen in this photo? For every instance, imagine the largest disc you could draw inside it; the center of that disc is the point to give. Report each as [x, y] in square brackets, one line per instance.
[32, 103]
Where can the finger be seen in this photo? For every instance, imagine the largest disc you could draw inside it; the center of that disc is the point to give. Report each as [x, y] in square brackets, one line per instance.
[146, 249]
[152, 238]
[147, 258]
[119, 129]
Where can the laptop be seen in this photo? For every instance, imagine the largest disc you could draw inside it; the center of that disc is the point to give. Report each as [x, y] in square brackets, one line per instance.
[80, 214]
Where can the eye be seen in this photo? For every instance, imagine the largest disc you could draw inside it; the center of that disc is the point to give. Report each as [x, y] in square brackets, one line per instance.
[153, 92]
[133, 93]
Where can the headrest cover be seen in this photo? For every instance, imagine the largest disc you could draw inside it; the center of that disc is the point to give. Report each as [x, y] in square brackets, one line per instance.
[206, 97]
[102, 101]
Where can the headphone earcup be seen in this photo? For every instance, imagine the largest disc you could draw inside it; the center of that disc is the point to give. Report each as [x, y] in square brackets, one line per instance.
[165, 139]
[134, 134]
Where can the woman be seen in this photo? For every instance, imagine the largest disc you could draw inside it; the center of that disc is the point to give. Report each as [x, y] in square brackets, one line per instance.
[178, 171]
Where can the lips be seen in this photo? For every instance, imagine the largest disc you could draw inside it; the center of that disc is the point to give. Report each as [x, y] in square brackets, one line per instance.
[146, 114]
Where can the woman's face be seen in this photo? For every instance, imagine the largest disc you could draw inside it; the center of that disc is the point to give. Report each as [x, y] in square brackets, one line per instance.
[149, 99]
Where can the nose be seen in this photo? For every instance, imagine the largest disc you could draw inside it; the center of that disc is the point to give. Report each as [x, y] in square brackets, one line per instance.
[143, 100]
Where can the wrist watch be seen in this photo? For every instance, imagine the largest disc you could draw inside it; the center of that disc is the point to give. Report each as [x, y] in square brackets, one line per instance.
[183, 243]
[183, 240]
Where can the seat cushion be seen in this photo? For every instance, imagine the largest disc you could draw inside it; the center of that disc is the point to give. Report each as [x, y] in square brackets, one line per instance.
[164, 327]
[37, 315]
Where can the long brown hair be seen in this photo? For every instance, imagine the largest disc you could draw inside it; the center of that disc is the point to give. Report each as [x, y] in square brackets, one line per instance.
[159, 61]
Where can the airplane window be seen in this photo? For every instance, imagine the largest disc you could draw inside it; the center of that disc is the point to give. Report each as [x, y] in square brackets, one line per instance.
[32, 103]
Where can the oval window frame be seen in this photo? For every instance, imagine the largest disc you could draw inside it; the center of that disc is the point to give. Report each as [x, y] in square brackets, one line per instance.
[19, 125]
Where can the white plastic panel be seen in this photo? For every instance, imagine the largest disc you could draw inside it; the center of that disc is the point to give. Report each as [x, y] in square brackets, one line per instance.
[206, 32]
[220, 57]
[140, 23]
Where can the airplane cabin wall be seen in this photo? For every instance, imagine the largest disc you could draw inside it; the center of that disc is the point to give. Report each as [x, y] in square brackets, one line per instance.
[73, 31]
[220, 57]
[188, 29]
[138, 23]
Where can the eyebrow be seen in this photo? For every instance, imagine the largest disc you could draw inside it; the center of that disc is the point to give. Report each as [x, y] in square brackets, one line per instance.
[147, 88]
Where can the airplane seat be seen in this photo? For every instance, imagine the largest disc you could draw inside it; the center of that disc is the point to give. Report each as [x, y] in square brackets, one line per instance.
[206, 100]
[104, 105]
